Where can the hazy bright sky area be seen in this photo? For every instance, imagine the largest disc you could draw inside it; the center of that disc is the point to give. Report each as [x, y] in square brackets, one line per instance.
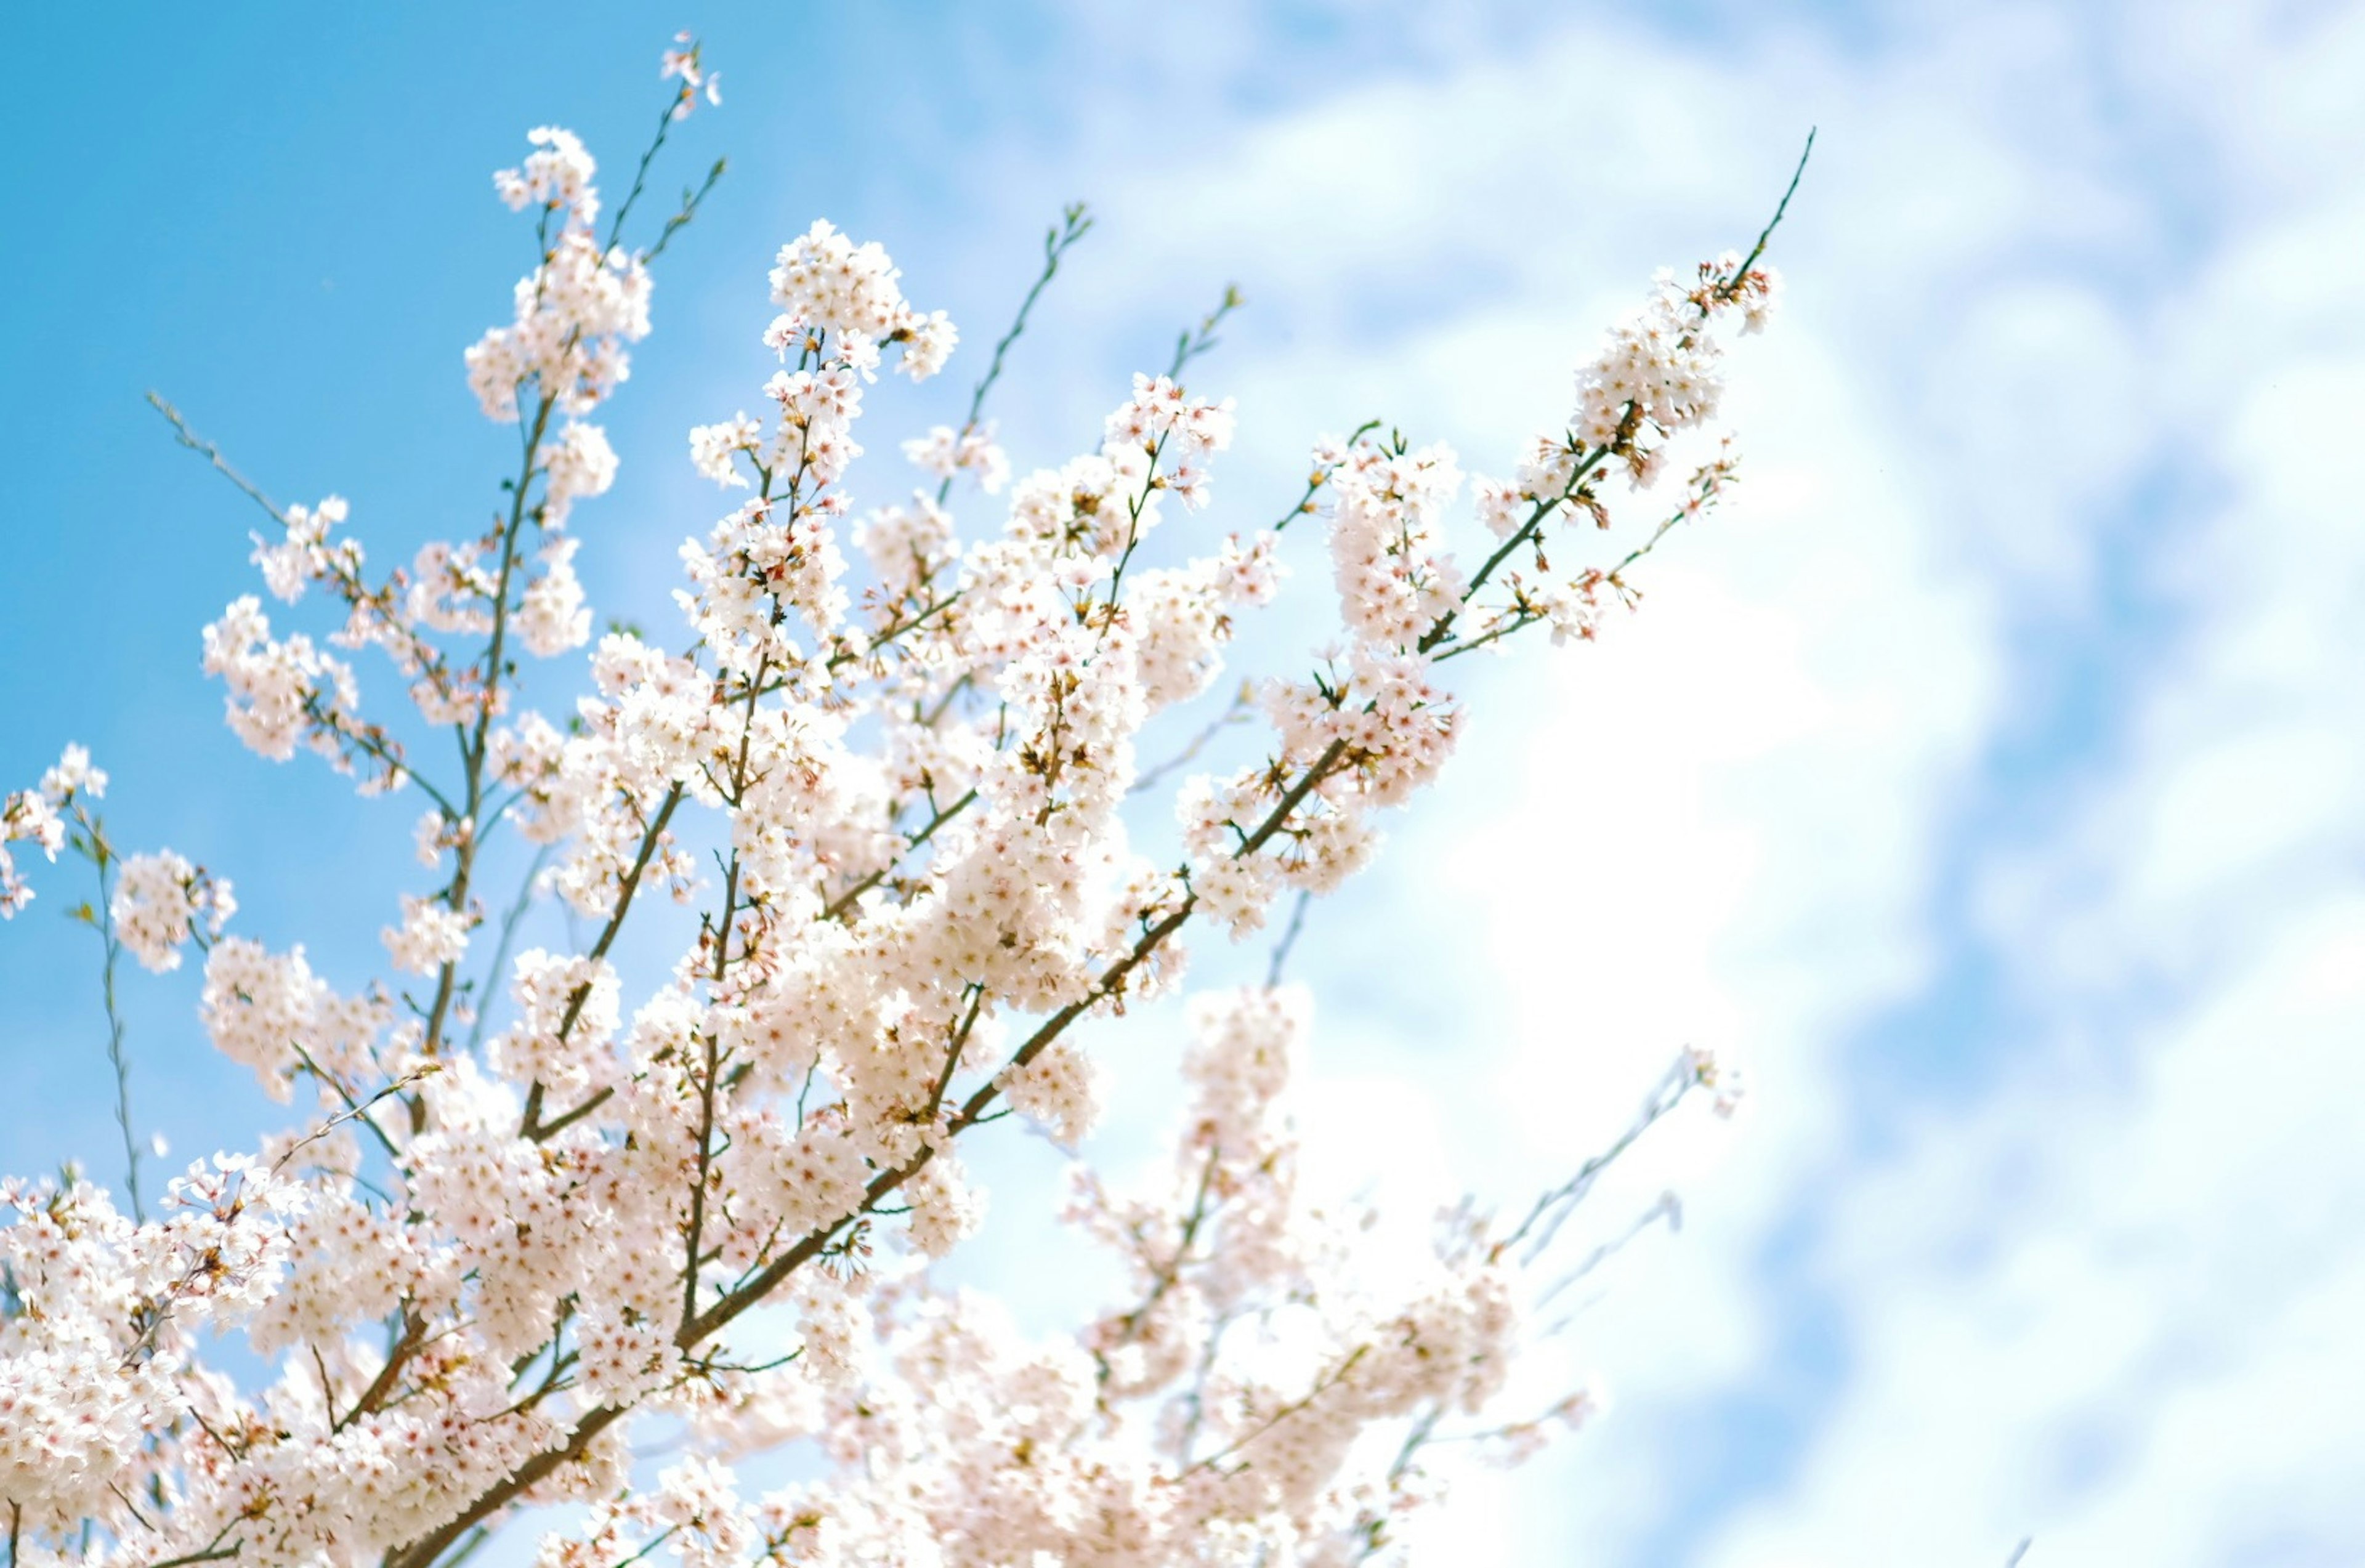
[1988, 777]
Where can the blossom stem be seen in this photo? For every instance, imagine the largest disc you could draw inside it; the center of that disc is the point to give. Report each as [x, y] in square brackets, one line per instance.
[1194, 342]
[1328, 1382]
[509, 924]
[1281, 949]
[1234, 711]
[1527, 531]
[1075, 222]
[535, 1127]
[1552, 1207]
[102, 858]
[844, 901]
[1765, 235]
[473, 743]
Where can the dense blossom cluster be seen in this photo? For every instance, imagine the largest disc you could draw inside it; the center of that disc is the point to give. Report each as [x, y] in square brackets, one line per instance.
[161, 902]
[577, 309]
[910, 753]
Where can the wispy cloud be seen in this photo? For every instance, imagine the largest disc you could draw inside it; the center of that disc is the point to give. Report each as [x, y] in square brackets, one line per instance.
[1987, 775]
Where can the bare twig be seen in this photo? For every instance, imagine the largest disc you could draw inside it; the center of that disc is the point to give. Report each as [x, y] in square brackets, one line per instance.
[509, 924]
[1201, 340]
[1288, 939]
[358, 1111]
[691, 201]
[1553, 1206]
[101, 920]
[1075, 222]
[532, 1126]
[212, 453]
[1332, 1379]
[1234, 711]
[1765, 235]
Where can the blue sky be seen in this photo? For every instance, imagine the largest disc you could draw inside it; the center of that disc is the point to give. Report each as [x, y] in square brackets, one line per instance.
[1984, 778]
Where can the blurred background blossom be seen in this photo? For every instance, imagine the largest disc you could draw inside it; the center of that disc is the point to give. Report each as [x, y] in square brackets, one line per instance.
[1985, 777]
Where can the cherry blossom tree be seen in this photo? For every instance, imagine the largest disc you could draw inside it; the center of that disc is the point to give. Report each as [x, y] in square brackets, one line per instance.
[523, 1220]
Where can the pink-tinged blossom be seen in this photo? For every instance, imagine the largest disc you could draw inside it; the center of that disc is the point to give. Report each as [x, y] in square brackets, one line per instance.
[279, 692]
[945, 453]
[713, 448]
[556, 175]
[577, 309]
[303, 554]
[841, 300]
[1060, 1091]
[1394, 576]
[270, 1013]
[1719, 1077]
[552, 617]
[31, 816]
[683, 63]
[161, 901]
[430, 936]
[887, 758]
[72, 776]
[946, 1209]
[578, 465]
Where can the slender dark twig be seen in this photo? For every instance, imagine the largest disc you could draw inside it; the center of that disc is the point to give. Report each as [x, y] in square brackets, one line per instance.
[691, 201]
[509, 924]
[103, 918]
[212, 453]
[1765, 235]
[1234, 711]
[1075, 222]
[1288, 939]
[1553, 1206]
[1194, 342]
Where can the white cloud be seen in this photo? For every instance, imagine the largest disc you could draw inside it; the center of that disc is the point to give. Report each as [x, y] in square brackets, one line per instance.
[2112, 1303]
[2101, 1295]
[1717, 826]
[2050, 1291]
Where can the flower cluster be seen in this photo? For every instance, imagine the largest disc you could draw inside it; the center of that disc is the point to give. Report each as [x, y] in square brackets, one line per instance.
[161, 900]
[280, 692]
[943, 453]
[840, 300]
[270, 1013]
[26, 815]
[683, 63]
[98, 1395]
[894, 762]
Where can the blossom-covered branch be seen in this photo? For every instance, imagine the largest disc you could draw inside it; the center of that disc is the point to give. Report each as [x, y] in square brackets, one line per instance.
[498, 1253]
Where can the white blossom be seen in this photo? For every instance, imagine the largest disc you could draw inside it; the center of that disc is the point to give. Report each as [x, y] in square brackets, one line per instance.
[685, 1177]
[161, 902]
[431, 934]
